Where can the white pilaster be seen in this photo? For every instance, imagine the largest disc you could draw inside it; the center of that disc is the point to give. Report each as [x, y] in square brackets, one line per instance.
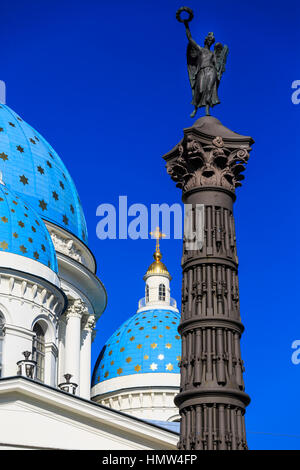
[73, 339]
[51, 353]
[85, 357]
[16, 341]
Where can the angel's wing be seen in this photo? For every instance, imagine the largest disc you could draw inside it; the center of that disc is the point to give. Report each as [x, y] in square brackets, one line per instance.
[221, 53]
[192, 57]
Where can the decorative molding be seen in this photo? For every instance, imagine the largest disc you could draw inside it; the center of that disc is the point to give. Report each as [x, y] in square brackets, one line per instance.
[67, 246]
[142, 403]
[47, 297]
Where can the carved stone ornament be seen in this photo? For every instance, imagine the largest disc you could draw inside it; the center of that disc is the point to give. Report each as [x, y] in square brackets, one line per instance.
[89, 322]
[202, 159]
[77, 308]
[67, 247]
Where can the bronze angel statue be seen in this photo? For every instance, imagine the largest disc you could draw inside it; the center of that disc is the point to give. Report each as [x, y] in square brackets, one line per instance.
[205, 67]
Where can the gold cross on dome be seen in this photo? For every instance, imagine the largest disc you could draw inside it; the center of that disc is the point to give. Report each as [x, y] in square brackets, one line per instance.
[158, 235]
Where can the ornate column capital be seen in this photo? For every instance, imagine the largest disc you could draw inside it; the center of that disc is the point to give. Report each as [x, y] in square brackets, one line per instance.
[204, 159]
[77, 308]
[88, 322]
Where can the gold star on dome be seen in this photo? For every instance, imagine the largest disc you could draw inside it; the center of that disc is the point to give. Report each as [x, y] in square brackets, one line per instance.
[61, 184]
[106, 374]
[32, 141]
[15, 235]
[41, 170]
[55, 195]
[11, 124]
[30, 240]
[169, 366]
[153, 345]
[23, 179]
[72, 209]
[4, 219]
[153, 366]
[128, 359]
[23, 249]
[33, 229]
[177, 337]
[4, 245]
[167, 327]
[168, 346]
[43, 205]
[137, 368]
[20, 149]
[132, 338]
[21, 224]
[110, 352]
[122, 349]
[112, 363]
[154, 327]
[178, 358]
[119, 371]
[3, 156]
[1, 129]
[36, 255]
[15, 202]
[49, 164]
[65, 220]
[146, 357]
[160, 357]
[139, 346]
[160, 336]
[43, 247]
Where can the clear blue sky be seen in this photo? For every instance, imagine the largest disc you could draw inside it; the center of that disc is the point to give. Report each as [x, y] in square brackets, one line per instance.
[106, 84]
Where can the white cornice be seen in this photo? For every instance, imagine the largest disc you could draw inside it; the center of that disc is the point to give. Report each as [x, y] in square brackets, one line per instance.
[153, 436]
[28, 265]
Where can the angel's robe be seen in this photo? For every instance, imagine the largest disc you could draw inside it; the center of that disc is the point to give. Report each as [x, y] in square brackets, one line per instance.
[203, 76]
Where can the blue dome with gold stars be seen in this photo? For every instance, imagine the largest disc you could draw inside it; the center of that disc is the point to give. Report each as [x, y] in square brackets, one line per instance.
[22, 231]
[33, 169]
[146, 343]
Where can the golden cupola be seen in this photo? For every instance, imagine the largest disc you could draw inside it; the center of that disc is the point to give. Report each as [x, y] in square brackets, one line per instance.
[157, 268]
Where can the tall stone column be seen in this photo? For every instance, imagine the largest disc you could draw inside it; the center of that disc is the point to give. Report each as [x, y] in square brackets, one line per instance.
[207, 166]
[88, 324]
[74, 315]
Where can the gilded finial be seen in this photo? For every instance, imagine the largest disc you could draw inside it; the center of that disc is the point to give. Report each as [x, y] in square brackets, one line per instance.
[157, 267]
[157, 234]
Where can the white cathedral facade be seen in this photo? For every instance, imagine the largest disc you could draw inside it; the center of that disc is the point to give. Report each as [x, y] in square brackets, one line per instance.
[50, 301]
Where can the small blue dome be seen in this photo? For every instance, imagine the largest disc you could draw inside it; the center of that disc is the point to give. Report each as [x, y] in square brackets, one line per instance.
[32, 168]
[146, 343]
[22, 231]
